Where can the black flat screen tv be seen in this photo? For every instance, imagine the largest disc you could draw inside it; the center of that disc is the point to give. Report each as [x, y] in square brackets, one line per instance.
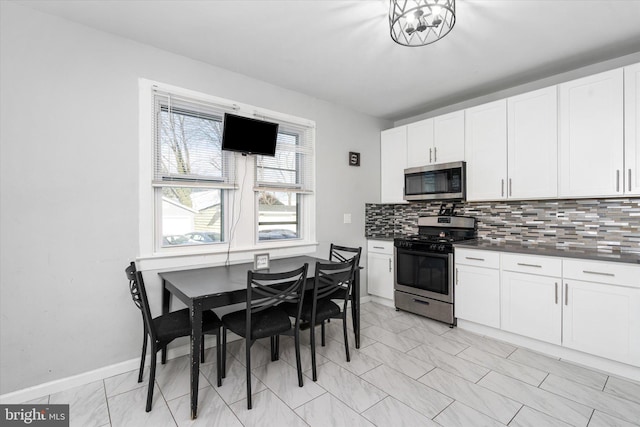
[249, 136]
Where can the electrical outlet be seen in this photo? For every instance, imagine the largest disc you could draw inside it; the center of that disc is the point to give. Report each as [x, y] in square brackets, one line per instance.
[347, 218]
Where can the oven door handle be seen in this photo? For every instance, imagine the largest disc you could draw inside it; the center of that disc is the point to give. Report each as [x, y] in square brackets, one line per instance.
[422, 253]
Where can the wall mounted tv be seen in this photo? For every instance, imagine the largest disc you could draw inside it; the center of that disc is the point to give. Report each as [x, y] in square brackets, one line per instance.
[249, 136]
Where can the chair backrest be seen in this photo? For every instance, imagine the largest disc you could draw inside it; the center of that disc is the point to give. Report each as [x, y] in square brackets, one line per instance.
[344, 253]
[266, 290]
[334, 279]
[139, 297]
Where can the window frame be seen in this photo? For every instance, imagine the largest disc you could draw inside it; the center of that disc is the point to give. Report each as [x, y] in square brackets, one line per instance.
[244, 240]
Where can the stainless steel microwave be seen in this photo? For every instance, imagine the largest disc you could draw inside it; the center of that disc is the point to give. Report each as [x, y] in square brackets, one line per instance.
[446, 181]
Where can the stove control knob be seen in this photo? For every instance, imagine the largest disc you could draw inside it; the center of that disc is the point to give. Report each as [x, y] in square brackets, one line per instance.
[432, 247]
[441, 248]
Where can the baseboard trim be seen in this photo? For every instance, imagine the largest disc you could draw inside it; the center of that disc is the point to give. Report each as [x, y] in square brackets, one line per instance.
[591, 361]
[40, 390]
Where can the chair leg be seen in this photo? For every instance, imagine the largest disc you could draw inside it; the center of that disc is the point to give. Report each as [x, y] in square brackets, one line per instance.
[224, 352]
[298, 361]
[218, 361]
[322, 329]
[272, 344]
[164, 354]
[144, 355]
[202, 349]
[346, 337]
[152, 379]
[312, 333]
[248, 351]
[277, 347]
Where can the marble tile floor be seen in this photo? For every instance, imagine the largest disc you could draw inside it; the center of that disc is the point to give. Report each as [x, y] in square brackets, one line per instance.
[409, 371]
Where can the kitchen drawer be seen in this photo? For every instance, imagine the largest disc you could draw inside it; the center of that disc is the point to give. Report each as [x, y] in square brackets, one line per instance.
[380, 246]
[478, 258]
[613, 273]
[540, 265]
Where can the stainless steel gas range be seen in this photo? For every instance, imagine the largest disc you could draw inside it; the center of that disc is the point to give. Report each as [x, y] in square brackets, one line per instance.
[424, 266]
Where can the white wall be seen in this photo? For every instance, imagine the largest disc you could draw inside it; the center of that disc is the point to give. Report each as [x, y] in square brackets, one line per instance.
[527, 87]
[68, 153]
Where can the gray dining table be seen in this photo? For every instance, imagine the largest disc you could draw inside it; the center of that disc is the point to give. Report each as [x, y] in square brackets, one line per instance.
[210, 287]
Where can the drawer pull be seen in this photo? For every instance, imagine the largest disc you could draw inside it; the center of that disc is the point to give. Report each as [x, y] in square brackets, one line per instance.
[598, 273]
[421, 302]
[378, 247]
[474, 259]
[529, 265]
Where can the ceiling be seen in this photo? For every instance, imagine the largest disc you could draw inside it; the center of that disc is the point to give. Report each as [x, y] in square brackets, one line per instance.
[341, 51]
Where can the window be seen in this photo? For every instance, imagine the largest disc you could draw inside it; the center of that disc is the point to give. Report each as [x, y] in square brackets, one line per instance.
[282, 183]
[190, 172]
[196, 199]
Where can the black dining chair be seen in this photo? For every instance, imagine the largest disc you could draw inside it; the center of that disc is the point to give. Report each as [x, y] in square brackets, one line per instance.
[333, 281]
[343, 254]
[267, 294]
[167, 327]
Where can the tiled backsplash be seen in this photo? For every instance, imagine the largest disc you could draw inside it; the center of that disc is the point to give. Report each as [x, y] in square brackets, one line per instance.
[608, 225]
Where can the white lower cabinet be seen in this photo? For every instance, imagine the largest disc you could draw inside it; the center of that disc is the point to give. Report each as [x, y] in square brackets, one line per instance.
[477, 289]
[602, 316]
[380, 270]
[532, 306]
[589, 306]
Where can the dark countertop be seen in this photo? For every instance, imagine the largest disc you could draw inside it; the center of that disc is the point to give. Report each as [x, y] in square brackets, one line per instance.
[547, 250]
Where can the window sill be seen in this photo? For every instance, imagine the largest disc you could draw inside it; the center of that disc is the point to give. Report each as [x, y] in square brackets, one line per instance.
[201, 256]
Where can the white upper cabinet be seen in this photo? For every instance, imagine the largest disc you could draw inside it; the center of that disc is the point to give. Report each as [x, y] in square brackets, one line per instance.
[420, 143]
[448, 135]
[533, 144]
[436, 140]
[591, 136]
[632, 129]
[486, 151]
[393, 161]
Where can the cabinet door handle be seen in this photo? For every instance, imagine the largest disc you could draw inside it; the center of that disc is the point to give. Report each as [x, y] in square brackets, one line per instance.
[435, 154]
[389, 265]
[529, 265]
[430, 158]
[502, 188]
[474, 259]
[598, 273]
[618, 180]
[556, 292]
[566, 293]
[456, 276]
[629, 179]
[510, 188]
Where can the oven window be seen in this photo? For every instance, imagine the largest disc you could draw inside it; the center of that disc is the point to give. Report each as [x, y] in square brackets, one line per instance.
[424, 271]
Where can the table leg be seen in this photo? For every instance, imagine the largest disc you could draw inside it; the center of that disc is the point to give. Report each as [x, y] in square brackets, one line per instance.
[196, 342]
[355, 307]
[166, 306]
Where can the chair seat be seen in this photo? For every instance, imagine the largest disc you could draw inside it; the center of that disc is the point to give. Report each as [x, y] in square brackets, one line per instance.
[178, 324]
[266, 323]
[326, 309]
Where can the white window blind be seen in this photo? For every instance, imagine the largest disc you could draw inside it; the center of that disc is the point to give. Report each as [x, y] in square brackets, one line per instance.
[188, 138]
[291, 169]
